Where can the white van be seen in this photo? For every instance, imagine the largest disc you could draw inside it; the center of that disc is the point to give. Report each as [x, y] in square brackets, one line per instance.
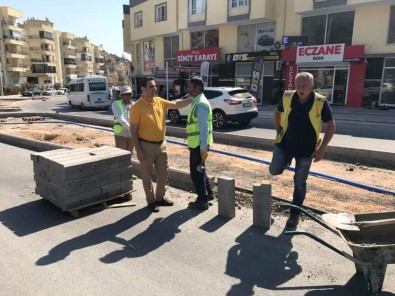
[89, 92]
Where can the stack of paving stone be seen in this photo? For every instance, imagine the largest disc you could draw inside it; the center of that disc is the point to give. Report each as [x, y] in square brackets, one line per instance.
[73, 179]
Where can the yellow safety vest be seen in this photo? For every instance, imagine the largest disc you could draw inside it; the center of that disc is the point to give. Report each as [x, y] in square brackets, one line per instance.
[193, 133]
[314, 114]
[118, 127]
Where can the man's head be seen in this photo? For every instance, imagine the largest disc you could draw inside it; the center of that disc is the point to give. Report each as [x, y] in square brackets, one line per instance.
[304, 82]
[148, 88]
[195, 86]
[126, 94]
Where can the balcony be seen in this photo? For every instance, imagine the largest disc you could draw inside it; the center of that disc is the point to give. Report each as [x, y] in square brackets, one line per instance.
[16, 54]
[14, 40]
[17, 68]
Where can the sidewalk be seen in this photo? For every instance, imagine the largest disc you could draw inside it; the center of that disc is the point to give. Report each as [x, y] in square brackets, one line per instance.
[349, 114]
[178, 251]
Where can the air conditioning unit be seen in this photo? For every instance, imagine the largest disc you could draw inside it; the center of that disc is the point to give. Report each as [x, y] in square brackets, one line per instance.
[154, 69]
[278, 45]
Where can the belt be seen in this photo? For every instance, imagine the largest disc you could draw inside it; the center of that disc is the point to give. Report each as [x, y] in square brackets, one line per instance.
[151, 142]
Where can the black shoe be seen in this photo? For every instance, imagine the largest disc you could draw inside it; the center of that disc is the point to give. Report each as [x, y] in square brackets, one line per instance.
[292, 221]
[153, 206]
[198, 205]
[165, 202]
[211, 196]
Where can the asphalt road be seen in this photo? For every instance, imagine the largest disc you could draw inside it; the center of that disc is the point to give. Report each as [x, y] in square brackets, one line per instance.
[130, 251]
[349, 125]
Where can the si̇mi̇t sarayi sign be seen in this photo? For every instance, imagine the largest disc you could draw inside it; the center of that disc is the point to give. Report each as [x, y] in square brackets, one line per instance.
[320, 53]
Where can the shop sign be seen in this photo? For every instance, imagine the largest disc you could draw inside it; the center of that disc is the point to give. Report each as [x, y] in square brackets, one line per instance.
[187, 69]
[320, 53]
[198, 55]
[249, 56]
[353, 60]
[256, 73]
[170, 74]
[291, 77]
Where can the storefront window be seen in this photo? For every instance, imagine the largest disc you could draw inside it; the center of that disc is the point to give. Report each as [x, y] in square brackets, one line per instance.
[391, 27]
[388, 86]
[243, 74]
[329, 29]
[374, 72]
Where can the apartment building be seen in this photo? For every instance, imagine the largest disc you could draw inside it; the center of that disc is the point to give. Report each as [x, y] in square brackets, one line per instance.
[34, 52]
[348, 45]
[12, 52]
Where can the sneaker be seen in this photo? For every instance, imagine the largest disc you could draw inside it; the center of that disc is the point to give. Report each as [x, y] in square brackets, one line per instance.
[292, 221]
[198, 205]
[165, 202]
[153, 206]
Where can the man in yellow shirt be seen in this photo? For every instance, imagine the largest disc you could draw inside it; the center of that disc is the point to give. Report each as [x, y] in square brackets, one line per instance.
[148, 129]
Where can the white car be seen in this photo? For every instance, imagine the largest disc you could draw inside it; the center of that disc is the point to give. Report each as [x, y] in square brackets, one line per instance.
[49, 92]
[61, 91]
[233, 104]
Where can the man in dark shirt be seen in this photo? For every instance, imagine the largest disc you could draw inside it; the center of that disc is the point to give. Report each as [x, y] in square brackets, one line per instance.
[298, 120]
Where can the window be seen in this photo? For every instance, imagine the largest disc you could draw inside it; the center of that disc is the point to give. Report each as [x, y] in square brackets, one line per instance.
[171, 45]
[46, 35]
[85, 57]
[97, 86]
[196, 6]
[160, 12]
[329, 29]
[391, 28]
[138, 19]
[205, 39]
[237, 3]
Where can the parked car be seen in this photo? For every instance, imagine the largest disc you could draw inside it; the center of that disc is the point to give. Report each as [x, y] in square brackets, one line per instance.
[61, 91]
[49, 92]
[265, 40]
[232, 104]
[31, 92]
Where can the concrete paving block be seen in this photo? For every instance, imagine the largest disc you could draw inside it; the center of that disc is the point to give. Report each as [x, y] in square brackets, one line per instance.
[262, 210]
[226, 197]
[125, 186]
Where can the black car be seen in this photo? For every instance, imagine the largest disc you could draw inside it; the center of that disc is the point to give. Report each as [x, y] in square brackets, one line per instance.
[265, 40]
[31, 92]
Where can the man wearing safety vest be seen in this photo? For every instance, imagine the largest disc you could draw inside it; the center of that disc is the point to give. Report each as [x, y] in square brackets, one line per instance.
[298, 121]
[120, 108]
[200, 137]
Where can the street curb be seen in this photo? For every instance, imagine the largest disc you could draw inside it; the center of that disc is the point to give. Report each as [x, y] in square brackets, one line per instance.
[378, 159]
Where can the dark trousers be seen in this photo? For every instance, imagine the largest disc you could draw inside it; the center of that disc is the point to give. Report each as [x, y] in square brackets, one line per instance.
[199, 179]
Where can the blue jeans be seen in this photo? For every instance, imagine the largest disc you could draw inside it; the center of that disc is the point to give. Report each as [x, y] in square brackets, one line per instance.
[280, 161]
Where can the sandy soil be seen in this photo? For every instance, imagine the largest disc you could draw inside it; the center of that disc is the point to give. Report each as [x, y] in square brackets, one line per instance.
[322, 193]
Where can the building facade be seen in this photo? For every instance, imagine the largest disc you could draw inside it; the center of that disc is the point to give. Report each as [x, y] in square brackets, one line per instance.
[348, 46]
[34, 52]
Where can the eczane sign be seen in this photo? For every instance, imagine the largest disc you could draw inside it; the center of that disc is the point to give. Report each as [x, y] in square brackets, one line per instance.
[320, 53]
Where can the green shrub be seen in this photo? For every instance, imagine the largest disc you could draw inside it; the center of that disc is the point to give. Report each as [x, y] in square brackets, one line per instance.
[11, 90]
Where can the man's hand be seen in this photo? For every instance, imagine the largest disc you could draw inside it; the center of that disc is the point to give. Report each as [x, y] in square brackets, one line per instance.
[204, 155]
[319, 153]
[140, 155]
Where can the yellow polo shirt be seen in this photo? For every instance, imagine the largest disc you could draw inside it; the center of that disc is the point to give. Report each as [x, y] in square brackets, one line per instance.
[150, 118]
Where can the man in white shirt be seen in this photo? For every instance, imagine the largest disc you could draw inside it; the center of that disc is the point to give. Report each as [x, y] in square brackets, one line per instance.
[120, 108]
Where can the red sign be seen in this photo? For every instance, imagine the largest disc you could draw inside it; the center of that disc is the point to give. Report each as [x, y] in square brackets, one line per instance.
[198, 55]
[290, 73]
[320, 53]
[187, 69]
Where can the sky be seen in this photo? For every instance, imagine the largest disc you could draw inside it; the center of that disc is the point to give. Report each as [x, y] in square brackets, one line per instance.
[100, 21]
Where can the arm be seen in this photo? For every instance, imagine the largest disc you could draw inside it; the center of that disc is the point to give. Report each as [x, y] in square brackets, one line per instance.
[179, 104]
[330, 131]
[278, 115]
[135, 138]
[202, 115]
[118, 115]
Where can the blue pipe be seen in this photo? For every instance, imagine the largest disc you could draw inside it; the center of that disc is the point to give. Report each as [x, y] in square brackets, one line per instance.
[324, 176]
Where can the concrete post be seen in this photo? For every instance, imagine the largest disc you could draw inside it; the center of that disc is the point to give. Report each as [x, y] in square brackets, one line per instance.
[226, 197]
[262, 210]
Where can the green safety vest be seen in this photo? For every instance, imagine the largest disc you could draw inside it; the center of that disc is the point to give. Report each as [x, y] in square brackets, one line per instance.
[193, 133]
[118, 127]
[314, 114]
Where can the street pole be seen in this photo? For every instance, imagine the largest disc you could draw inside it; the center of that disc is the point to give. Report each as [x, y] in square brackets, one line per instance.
[167, 80]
